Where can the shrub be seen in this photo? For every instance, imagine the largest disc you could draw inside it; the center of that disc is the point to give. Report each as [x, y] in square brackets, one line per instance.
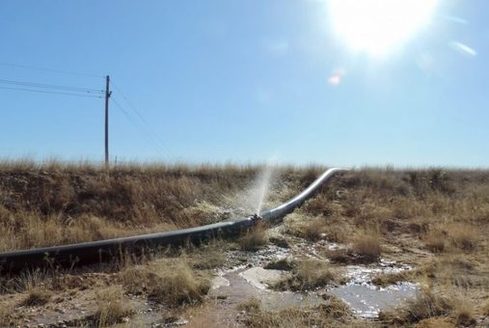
[37, 296]
[254, 239]
[112, 306]
[464, 313]
[333, 313]
[283, 264]
[170, 282]
[426, 305]
[308, 275]
[435, 241]
[367, 246]
[463, 236]
[6, 315]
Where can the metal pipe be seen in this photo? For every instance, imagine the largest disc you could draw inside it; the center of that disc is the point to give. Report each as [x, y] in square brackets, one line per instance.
[103, 250]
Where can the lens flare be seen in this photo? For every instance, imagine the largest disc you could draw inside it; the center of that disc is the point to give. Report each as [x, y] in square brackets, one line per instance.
[378, 27]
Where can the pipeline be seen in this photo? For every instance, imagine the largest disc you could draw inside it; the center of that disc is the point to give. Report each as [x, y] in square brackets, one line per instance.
[104, 250]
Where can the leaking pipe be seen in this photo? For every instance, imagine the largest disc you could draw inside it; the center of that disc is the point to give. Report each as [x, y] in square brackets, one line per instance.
[106, 250]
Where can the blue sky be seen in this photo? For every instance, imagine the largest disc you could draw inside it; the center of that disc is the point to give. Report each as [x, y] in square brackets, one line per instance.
[243, 81]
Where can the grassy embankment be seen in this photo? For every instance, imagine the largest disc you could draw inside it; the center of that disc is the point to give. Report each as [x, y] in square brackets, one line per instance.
[435, 220]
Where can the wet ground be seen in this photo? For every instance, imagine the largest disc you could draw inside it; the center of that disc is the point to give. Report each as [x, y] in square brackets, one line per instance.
[367, 300]
[248, 279]
[244, 277]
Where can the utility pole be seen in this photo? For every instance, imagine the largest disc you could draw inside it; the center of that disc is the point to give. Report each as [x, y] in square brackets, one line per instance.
[107, 96]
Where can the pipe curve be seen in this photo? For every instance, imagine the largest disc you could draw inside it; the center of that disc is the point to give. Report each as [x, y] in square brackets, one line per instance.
[103, 250]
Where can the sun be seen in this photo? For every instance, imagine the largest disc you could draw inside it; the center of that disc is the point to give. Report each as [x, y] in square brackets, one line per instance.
[377, 27]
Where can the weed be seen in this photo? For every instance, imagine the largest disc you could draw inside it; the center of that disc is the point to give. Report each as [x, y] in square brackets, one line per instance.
[171, 282]
[426, 305]
[332, 314]
[464, 313]
[254, 239]
[209, 257]
[283, 264]
[435, 241]
[37, 296]
[485, 309]
[464, 236]
[438, 322]
[367, 246]
[57, 203]
[279, 241]
[391, 278]
[112, 306]
[308, 275]
[6, 315]
[251, 305]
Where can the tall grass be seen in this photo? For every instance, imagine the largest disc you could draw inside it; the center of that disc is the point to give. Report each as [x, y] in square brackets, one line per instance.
[57, 203]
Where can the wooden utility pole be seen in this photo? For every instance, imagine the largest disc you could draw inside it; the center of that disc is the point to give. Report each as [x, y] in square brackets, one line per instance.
[107, 96]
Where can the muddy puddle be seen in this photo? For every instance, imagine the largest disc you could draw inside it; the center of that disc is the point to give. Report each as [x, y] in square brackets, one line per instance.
[367, 300]
[239, 284]
[248, 279]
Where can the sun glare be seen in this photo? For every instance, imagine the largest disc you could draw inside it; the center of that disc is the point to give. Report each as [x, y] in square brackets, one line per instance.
[377, 27]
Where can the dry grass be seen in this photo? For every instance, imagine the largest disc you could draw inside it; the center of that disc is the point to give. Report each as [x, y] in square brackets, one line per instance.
[251, 305]
[254, 239]
[316, 228]
[6, 315]
[332, 314]
[428, 307]
[308, 275]
[168, 281]
[439, 322]
[463, 236]
[112, 307]
[435, 220]
[485, 309]
[446, 270]
[392, 278]
[209, 256]
[435, 241]
[367, 246]
[464, 313]
[283, 264]
[415, 213]
[55, 203]
[37, 296]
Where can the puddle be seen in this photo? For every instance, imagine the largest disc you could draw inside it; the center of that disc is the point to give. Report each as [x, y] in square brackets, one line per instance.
[238, 284]
[219, 282]
[367, 300]
[262, 278]
[244, 284]
[246, 278]
[258, 258]
[315, 250]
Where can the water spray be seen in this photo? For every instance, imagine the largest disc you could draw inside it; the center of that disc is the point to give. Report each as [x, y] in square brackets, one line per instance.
[107, 250]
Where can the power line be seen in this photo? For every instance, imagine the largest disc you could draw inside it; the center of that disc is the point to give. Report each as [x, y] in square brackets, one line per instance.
[51, 92]
[148, 136]
[52, 70]
[147, 127]
[122, 109]
[138, 113]
[51, 86]
[58, 89]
